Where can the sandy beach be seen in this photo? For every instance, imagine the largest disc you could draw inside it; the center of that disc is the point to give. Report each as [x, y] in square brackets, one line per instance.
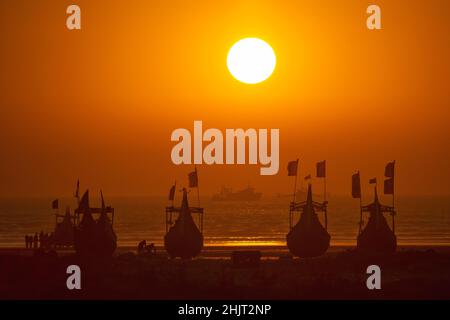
[411, 273]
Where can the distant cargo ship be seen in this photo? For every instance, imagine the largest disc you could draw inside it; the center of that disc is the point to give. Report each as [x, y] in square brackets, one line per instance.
[247, 194]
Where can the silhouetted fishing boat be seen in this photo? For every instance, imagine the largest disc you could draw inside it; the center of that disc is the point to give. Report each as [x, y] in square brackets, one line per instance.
[94, 238]
[247, 194]
[308, 238]
[377, 236]
[183, 239]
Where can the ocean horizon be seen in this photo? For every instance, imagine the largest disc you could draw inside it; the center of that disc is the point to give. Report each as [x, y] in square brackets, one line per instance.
[421, 220]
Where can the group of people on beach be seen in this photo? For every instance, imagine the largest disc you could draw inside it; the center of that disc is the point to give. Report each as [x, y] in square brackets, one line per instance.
[143, 247]
[41, 240]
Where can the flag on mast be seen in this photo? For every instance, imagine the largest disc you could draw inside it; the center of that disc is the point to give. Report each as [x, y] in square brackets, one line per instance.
[356, 185]
[292, 168]
[389, 186]
[389, 173]
[172, 192]
[372, 181]
[321, 169]
[389, 170]
[55, 204]
[193, 179]
[308, 177]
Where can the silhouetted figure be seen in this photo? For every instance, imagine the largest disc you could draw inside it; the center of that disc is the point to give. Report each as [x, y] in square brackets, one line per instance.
[35, 241]
[50, 240]
[308, 238]
[184, 239]
[44, 241]
[151, 249]
[377, 236]
[41, 238]
[141, 246]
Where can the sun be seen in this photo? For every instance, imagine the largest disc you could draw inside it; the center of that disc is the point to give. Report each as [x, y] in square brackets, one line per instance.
[251, 60]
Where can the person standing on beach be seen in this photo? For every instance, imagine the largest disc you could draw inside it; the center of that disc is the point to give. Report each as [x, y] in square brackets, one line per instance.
[36, 239]
[141, 246]
[41, 239]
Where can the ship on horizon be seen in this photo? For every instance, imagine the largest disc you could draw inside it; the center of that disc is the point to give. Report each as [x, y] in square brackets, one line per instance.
[247, 194]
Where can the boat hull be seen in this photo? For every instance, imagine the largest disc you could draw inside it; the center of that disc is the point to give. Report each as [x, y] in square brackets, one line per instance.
[377, 238]
[84, 240]
[106, 240]
[95, 240]
[308, 241]
[185, 243]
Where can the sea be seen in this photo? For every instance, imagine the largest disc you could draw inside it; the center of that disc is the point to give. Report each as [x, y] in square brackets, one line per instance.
[420, 220]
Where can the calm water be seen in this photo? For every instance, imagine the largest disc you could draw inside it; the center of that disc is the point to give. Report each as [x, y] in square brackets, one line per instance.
[421, 220]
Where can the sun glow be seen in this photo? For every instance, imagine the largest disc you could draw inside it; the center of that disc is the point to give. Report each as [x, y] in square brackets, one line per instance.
[251, 60]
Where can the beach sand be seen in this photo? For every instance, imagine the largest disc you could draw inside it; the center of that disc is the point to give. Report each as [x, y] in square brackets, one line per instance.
[413, 272]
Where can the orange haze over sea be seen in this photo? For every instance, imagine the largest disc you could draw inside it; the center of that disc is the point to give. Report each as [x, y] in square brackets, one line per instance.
[100, 104]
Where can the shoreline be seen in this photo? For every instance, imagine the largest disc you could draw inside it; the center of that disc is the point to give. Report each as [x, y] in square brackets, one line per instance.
[224, 251]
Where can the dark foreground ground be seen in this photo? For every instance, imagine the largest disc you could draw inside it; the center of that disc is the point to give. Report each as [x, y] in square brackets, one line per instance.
[413, 273]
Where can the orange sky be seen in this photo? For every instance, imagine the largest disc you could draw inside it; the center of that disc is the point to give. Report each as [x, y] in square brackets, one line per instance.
[100, 103]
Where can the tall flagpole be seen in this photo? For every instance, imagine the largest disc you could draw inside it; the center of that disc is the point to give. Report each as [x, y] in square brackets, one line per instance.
[293, 200]
[360, 205]
[198, 189]
[360, 213]
[325, 195]
[295, 184]
[325, 200]
[200, 218]
[393, 200]
[77, 196]
[174, 192]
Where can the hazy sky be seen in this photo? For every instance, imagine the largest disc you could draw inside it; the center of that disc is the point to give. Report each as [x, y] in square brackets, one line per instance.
[100, 104]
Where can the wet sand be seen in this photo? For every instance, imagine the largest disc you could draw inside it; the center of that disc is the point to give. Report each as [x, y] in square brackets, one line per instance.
[218, 251]
[412, 273]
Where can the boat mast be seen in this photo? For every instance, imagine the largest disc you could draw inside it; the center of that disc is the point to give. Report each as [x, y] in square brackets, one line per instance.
[193, 183]
[356, 193]
[200, 216]
[77, 196]
[321, 173]
[294, 194]
[360, 213]
[393, 200]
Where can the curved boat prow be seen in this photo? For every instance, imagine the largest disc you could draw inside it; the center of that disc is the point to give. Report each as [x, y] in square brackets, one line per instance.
[184, 239]
[308, 238]
[377, 236]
